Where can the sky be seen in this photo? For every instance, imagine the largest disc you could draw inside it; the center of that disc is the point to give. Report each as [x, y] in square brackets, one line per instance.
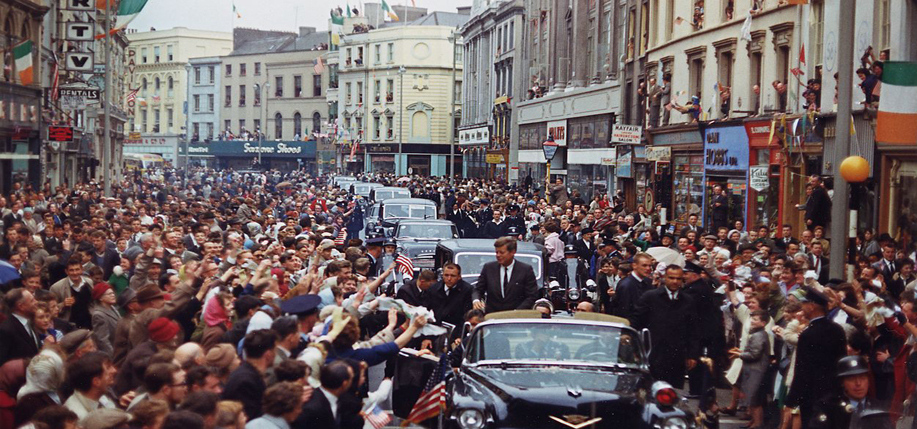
[287, 15]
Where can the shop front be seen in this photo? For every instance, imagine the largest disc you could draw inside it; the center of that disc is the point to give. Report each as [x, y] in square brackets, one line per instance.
[20, 137]
[588, 144]
[473, 143]
[726, 164]
[422, 159]
[243, 155]
[765, 171]
[165, 146]
[532, 165]
[678, 183]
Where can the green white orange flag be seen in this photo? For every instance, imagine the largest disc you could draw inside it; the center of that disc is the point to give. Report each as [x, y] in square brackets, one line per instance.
[388, 10]
[22, 55]
[127, 11]
[337, 28]
[897, 119]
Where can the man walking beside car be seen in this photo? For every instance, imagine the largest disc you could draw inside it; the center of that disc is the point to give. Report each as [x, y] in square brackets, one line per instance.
[506, 284]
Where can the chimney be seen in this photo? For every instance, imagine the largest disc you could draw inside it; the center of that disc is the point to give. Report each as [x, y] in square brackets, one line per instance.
[463, 10]
[305, 31]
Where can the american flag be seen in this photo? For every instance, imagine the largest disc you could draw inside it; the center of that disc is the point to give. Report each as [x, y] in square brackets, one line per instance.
[132, 95]
[377, 417]
[433, 399]
[319, 65]
[405, 266]
[341, 238]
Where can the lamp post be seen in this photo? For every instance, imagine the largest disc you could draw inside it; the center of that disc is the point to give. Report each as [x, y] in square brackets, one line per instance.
[550, 149]
[401, 72]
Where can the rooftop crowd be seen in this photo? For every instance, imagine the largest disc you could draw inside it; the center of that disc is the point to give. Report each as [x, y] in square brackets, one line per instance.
[217, 299]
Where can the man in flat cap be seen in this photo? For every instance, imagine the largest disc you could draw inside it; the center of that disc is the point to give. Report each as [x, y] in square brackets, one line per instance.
[820, 346]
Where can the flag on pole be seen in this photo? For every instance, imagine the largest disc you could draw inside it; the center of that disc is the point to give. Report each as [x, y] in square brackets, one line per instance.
[388, 10]
[348, 9]
[897, 118]
[376, 417]
[132, 95]
[433, 399]
[341, 238]
[802, 54]
[318, 65]
[127, 11]
[405, 266]
[337, 28]
[22, 56]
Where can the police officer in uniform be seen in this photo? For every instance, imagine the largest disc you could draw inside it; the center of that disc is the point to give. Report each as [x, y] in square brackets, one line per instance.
[389, 254]
[374, 254]
[850, 407]
[513, 219]
[574, 272]
[305, 308]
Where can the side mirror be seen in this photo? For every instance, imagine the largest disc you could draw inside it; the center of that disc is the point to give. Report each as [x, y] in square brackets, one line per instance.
[647, 340]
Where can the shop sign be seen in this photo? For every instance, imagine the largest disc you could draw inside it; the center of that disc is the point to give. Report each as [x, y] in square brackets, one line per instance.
[624, 166]
[675, 139]
[145, 140]
[133, 135]
[658, 153]
[381, 148]
[757, 178]
[248, 148]
[279, 148]
[626, 134]
[480, 135]
[609, 161]
[495, 158]
[726, 149]
[60, 134]
[557, 130]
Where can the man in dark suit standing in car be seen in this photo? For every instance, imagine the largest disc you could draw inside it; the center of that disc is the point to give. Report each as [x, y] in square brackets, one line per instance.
[507, 284]
[451, 297]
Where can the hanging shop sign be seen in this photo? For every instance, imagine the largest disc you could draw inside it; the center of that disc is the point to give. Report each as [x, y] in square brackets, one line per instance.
[757, 178]
[626, 134]
[658, 153]
[558, 131]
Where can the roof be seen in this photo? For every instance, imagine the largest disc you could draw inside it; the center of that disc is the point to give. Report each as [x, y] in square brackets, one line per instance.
[477, 244]
[448, 19]
[279, 42]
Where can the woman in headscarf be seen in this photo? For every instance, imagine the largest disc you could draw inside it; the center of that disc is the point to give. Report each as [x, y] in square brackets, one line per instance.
[216, 319]
[12, 377]
[44, 377]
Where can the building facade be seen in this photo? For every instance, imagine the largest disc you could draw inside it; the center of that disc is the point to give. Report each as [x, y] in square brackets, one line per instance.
[493, 76]
[570, 52]
[204, 108]
[157, 71]
[399, 96]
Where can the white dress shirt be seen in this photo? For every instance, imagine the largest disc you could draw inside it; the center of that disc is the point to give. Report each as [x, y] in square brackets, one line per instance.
[333, 400]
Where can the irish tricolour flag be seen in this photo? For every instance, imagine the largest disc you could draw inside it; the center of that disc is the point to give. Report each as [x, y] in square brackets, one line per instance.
[897, 120]
[22, 53]
[127, 11]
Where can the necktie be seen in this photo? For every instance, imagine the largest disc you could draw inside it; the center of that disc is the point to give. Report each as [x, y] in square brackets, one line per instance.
[505, 282]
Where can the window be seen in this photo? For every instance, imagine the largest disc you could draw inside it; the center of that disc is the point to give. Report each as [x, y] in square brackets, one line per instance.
[197, 75]
[242, 69]
[143, 55]
[257, 69]
[390, 90]
[171, 85]
[817, 31]
[210, 103]
[728, 10]
[390, 53]
[144, 86]
[359, 92]
[278, 86]
[156, 53]
[228, 101]
[669, 19]
[278, 126]
[257, 124]
[389, 130]
[297, 86]
[257, 95]
[227, 125]
[197, 103]
[359, 59]
[156, 114]
[457, 92]
[349, 61]
[213, 73]
[210, 127]
[884, 27]
[316, 122]
[169, 116]
[228, 69]
[297, 126]
[377, 90]
[512, 33]
[317, 85]
[359, 125]
[644, 28]
[241, 95]
[143, 120]
[631, 31]
[696, 77]
[377, 127]
[157, 85]
[697, 20]
[348, 93]
[169, 53]
[195, 131]
[499, 40]
[241, 126]
[377, 53]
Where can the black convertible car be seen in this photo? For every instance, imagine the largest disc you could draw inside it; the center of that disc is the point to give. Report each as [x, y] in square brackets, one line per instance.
[590, 371]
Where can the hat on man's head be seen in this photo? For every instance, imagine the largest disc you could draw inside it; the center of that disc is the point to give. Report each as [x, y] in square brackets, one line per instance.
[127, 296]
[691, 267]
[162, 330]
[105, 418]
[71, 342]
[220, 356]
[710, 237]
[851, 365]
[816, 297]
[301, 305]
[149, 293]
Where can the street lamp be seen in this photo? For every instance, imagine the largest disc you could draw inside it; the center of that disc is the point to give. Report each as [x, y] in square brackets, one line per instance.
[550, 149]
[401, 72]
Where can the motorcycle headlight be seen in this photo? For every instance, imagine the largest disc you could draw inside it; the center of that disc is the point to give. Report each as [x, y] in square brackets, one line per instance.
[675, 423]
[471, 419]
[573, 294]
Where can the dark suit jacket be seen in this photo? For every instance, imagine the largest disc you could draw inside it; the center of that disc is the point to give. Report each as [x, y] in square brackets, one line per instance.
[686, 229]
[673, 328]
[781, 244]
[627, 293]
[818, 207]
[819, 348]
[823, 275]
[316, 413]
[451, 309]
[246, 385]
[110, 260]
[521, 292]
[411, 294]
[583, 251]
[15, 341]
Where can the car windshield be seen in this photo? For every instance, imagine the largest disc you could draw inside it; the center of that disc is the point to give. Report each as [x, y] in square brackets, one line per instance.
[391, 193]
[473, 263]
[362, 190]
[409, 211]
[555, 341]
[421, 230]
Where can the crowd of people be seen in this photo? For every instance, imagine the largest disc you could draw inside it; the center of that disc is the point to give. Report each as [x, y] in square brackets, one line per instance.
[217, 299]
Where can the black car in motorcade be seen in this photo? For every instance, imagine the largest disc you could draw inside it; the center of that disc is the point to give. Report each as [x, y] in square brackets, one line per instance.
[472, 253]
[382, 216]
[417, 238]
[520, 370]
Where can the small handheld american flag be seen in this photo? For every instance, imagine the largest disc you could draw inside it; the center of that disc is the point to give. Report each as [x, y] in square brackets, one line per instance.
[405, 266]
[341, 238]
[377, 417]
[433, 399]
